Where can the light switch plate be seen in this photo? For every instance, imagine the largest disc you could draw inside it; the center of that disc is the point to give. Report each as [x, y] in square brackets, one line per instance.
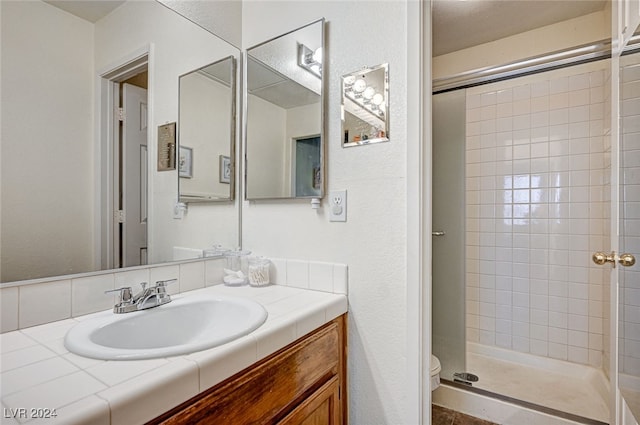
[338, 205]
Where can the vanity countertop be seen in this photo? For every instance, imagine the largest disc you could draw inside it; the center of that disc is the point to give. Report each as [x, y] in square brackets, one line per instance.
[40, 378]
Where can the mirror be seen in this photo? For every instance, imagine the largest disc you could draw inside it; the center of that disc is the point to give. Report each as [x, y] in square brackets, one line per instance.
[284, 123]
[60, 210]
[206, 133]
[365, 106]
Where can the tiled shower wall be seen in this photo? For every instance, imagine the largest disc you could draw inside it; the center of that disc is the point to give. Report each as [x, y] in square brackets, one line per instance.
[537, 201]
[629, 278]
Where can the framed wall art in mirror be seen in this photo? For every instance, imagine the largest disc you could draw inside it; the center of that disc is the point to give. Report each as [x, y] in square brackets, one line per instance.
[206, 132]
[284, 135]
[365, 106]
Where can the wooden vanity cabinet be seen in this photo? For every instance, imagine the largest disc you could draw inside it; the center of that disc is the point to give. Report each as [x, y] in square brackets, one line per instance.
[302, 384]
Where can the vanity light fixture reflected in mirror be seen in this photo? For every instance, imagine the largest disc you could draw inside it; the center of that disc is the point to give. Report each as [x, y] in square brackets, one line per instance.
[365, 104]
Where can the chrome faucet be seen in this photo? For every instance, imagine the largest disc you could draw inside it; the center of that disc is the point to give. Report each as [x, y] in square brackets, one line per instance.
[149, 297]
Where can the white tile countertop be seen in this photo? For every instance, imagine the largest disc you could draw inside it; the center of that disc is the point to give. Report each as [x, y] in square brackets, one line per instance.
[40, 377]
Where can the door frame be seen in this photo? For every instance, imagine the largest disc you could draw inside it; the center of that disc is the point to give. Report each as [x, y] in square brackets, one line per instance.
[106, 150]
[419, 214]
[293, 156]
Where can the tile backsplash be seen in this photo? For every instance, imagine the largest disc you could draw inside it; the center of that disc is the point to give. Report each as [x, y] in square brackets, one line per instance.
[32, 304]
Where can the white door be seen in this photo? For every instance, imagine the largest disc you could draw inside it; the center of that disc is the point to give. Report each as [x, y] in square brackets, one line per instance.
[134, 176]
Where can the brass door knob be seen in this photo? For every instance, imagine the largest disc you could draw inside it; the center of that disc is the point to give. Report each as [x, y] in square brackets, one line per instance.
[627, 260]
[600, 258]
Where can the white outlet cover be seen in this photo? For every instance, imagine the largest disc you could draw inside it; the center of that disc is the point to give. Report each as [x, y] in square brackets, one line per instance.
[338, 205]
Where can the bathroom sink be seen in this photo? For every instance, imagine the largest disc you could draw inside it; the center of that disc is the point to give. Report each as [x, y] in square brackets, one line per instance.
[183, 326]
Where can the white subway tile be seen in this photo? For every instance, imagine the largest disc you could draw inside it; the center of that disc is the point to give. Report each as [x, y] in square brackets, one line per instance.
[65, 392]
[8, 309]
[44, 302]
[17, 380]
[214, 272]
[559, 85]
[341, 279]
[321, 276]
[558, 351]
[167, 387]
[549, 171]
[191, 276]
[558, 335]
[578, 354]
[166, 273]
[113, 373]
[131, 278]
[298, 273]
[88, 294]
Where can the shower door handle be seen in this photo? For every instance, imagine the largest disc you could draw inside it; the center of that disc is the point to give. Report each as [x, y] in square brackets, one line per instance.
[437, 233]
[601, 258]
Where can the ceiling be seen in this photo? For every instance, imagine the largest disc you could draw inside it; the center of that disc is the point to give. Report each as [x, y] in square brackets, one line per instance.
[90, 10]
[458, 24]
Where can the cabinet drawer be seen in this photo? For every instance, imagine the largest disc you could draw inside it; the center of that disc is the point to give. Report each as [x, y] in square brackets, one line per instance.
[271, 389]
[321, 408]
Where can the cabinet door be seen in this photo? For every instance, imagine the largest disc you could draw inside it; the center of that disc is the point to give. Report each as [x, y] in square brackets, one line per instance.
[321, 408]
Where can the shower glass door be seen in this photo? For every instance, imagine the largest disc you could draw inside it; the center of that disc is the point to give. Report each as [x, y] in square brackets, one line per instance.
[535, 161]
[629, 238]
[448, 325]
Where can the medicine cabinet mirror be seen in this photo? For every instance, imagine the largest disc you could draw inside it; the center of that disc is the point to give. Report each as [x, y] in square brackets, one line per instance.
[284, 124]
[206, 133]
[365, 106]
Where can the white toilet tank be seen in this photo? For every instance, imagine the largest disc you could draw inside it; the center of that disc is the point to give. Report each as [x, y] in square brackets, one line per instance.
[435, 372]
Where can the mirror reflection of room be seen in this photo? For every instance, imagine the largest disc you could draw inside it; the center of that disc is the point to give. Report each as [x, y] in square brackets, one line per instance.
[61, 211]
[365, 104]
[206, 133]
[284, 139]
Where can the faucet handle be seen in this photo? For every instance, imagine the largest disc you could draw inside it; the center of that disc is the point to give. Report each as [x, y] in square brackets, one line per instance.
[125, 293]
[164, 283]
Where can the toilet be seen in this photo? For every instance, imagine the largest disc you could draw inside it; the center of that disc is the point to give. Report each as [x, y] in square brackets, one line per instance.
[435, 372]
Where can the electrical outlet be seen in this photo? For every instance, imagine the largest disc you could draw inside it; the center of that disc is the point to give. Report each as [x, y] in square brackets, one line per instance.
[338, 205]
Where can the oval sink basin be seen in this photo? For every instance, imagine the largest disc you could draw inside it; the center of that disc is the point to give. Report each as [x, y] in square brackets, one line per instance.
[183, 326]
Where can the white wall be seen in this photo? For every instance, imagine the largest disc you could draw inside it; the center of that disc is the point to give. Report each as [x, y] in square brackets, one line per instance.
[271, 130]
[178, 47]
[47, 141]
[221, 17]
[205, 111]
[373, 240]
[571, 33]
[268, 156]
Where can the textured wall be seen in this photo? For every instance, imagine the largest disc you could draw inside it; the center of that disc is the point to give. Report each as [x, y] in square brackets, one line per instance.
[373, 240]
[47, 142]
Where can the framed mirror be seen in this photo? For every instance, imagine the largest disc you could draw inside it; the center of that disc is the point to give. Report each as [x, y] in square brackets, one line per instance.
[284, 137]
[206, 133]
[365, 106]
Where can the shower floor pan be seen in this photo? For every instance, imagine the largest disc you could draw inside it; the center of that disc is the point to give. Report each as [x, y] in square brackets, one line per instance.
[567, 387]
